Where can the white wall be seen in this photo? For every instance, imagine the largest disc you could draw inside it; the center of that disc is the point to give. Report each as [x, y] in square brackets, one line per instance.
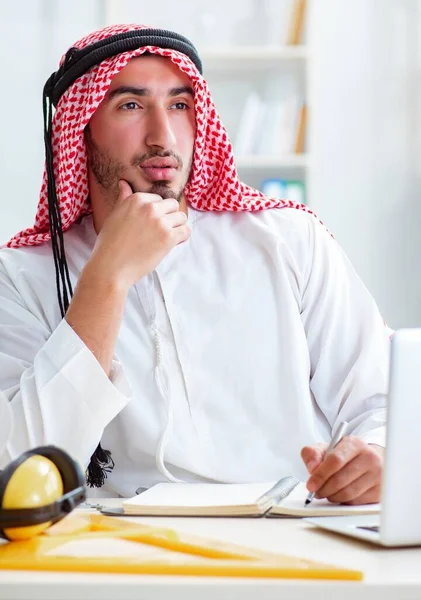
[366, 142]
[33, 36]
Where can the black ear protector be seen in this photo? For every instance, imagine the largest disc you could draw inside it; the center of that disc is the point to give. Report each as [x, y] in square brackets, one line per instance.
[37, 489]
[76, 63]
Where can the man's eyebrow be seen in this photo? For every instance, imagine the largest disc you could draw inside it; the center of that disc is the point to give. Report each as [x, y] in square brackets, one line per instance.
[143, 91]
[128, 89]
[179, 91]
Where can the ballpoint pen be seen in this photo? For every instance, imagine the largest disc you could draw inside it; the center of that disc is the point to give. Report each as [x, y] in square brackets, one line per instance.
[340, 432]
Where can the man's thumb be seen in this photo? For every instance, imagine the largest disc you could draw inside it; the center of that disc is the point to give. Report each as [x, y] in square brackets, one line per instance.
[313, 456]
[125, 189]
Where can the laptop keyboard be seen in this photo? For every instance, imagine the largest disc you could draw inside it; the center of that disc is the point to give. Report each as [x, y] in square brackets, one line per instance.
[375, 528]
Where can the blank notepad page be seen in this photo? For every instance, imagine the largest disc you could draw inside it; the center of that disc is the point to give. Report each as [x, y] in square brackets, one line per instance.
[200, 494]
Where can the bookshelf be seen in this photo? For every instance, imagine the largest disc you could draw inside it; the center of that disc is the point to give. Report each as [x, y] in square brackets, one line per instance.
[258, 56]
[357, 65]
[279, 74]
[286, 161]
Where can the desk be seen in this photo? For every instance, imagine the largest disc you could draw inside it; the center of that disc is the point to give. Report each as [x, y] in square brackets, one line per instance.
[388, 574]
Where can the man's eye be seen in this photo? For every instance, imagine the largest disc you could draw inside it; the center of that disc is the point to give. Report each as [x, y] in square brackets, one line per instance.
[129, 106]
[180, 106]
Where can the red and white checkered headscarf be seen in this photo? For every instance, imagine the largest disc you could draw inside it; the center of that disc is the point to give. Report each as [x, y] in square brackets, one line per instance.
[214, 183]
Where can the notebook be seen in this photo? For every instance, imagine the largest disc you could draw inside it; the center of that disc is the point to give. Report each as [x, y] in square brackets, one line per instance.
[284, 498]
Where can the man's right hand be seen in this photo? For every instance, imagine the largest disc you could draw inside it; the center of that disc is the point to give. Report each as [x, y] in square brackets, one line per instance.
[140, 231]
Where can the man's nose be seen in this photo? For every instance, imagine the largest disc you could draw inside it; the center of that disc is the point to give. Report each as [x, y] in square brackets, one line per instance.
[160, 132]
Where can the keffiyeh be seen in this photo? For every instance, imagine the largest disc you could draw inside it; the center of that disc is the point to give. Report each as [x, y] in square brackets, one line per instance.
[214, 183]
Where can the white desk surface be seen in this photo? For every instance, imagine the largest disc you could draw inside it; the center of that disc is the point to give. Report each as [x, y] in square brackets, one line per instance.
[388, 574]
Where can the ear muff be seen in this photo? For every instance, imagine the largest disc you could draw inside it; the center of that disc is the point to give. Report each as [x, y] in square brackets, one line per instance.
[37, 489]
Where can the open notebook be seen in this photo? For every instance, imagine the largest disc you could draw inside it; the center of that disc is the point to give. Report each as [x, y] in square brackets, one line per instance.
[283, 498]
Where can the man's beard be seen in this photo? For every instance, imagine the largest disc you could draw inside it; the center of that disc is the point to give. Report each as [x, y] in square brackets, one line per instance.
[108, 171]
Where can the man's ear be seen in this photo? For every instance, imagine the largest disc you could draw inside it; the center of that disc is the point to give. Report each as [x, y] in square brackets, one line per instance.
[87, 134]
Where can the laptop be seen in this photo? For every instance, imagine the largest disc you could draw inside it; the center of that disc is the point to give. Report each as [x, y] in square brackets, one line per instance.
[399, 521]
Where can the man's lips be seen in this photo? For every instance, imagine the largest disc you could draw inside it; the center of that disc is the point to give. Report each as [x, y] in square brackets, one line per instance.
[160, 169]
[160, 161]
[159, 173]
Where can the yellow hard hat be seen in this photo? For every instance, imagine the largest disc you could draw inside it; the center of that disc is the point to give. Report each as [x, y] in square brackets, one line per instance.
[37, 489]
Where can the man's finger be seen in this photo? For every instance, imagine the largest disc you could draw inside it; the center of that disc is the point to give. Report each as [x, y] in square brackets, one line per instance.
[176, 219]
[165, 207]
[182, 233]
[313, 456]
[347, 449]
[348, 483]
[124, 189]
[370, 496]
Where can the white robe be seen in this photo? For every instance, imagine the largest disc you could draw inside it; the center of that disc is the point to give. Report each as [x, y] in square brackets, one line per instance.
[250, 340]
[5, 422]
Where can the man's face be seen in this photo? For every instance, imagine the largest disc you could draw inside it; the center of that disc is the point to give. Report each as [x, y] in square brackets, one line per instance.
[143, 131]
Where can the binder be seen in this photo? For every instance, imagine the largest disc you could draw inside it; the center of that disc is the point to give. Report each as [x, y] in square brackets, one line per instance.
[108, 545]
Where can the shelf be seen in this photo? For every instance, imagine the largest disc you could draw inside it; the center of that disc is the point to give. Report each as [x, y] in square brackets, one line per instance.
[286, 161]
[252, 56]
[255, 53]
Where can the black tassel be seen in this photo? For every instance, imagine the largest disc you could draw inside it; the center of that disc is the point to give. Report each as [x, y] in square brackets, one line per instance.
[100, 465]
[101, 462]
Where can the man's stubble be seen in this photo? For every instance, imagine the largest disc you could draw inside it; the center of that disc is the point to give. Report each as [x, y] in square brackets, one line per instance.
[108, 172]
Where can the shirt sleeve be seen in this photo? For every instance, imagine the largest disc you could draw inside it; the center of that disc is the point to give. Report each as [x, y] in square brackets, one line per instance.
[348, 341]
[58, 392]
[5, 422]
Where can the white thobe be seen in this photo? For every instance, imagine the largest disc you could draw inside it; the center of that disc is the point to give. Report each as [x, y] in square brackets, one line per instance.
[250, 340]
[5, 422]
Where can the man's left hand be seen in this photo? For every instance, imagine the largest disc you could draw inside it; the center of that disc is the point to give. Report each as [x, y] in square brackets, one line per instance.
[349, 474]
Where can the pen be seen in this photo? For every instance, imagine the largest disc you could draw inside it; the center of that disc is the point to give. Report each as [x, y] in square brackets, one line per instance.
[340, 432]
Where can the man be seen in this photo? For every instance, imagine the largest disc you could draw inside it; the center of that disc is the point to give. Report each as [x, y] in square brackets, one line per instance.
[213, 334]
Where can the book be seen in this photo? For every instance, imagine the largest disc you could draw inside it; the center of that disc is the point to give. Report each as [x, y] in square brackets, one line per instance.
[287, 189]
[296, 28]
[274, 188]
[296, 191]
[283, 498]
[107, 545]
[274, 133]
[276, 130]
[288, 125]
[301, 130]
[249, 125]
